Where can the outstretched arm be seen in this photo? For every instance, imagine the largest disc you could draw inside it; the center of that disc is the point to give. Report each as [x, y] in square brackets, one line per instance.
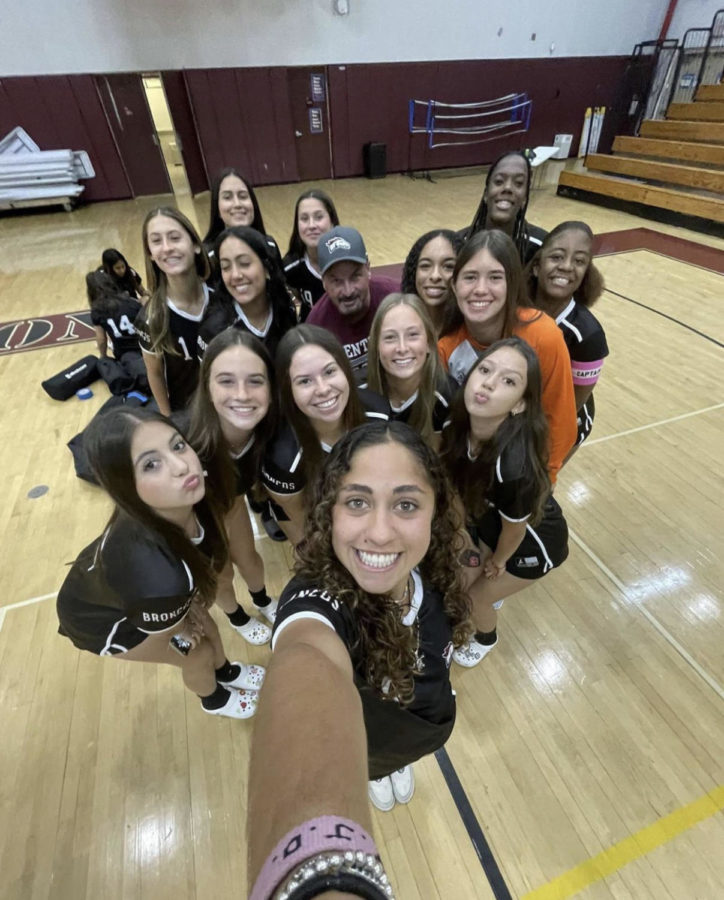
[309, 749]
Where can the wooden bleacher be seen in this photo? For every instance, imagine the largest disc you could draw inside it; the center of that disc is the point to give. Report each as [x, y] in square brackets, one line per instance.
[674, 171]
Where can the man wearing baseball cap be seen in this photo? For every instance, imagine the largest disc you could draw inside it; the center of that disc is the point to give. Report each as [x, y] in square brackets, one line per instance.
[351, 296]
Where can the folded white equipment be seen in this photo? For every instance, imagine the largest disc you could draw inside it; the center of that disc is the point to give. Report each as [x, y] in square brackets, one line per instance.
[33, 177]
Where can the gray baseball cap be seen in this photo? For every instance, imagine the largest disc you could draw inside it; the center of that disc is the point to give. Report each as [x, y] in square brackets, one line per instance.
[338, 244]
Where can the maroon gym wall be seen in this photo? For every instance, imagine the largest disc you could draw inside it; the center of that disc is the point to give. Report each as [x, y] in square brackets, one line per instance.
[370, 103]
[242, 116]
[64, 112]
[243, 119]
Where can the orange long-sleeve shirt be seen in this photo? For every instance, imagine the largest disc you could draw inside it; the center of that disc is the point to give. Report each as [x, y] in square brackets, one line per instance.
[459, 352]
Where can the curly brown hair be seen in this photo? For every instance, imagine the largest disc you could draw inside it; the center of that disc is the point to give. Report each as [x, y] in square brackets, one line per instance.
[386, 647]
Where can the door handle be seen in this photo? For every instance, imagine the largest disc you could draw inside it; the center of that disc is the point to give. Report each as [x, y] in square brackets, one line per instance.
[297, 134]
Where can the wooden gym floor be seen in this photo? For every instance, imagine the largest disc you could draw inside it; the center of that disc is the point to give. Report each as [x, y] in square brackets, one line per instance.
[587, 760]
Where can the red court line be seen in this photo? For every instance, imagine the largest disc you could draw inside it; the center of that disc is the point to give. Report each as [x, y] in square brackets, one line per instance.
[64, 328]
[685, 251]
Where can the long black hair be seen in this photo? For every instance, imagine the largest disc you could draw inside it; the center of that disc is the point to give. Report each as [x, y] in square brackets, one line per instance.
[520, 226]
[276, 286]
[525, 432]
[216, 223]
[130, 280]
[108, 443]
[103, 292]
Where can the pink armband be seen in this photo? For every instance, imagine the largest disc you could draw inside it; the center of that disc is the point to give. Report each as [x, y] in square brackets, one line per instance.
[586, 373]
[320, 835]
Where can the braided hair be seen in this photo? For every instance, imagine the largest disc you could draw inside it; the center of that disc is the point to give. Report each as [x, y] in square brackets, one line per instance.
[520, 226]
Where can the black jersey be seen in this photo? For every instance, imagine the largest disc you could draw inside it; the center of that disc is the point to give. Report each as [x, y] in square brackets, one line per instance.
[303, 277]
[246, 476]
[534, 237]
[118, 325]
[182, 368]
[223, 312]
[512, 497]
[282, 471]
[585, 340]
[123, 587]
[444, 394]
[534, 241]
[396, 735]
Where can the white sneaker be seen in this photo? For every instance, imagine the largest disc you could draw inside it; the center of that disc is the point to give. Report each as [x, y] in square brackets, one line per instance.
[250, 678]
[403, 784]
[381, 793]
[472, 653]
[254, 632]
[269, 611]
[240, 705]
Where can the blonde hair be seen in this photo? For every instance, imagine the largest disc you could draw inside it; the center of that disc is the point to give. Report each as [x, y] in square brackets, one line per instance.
[432, 375]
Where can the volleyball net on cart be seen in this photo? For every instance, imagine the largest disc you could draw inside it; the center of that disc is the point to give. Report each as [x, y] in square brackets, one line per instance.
[463, 124]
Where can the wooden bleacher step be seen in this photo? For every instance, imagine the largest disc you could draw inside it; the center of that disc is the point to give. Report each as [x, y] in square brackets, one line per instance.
[710, 92]
[661, 198]
[706, 132]
[707, 154]
[650, 170]
[712, 111]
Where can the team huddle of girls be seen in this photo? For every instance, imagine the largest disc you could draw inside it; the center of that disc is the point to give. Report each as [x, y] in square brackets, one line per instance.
[417, 502]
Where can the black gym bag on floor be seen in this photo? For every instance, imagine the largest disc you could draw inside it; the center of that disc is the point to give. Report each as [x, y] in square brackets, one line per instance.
[64, 385]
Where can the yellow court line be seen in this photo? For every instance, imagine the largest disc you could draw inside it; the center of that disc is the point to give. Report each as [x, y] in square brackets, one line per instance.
[631, 848]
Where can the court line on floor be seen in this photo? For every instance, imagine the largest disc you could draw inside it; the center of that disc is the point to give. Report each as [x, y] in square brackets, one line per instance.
[631, 848]
[473, 827]
[20, 603]
[663, 631]
[609, 437]
[666, 316]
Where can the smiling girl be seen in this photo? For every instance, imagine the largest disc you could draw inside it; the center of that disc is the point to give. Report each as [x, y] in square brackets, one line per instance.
[495, 451]
[233, 417]
[319, 404]
[505, 201]
[373, 614]
[404, 366]
[489, 303]
[176, 268]
[314, 214]
[233, 202]
[141, 590]
[564, 282]
[428, 269]
[252, 294]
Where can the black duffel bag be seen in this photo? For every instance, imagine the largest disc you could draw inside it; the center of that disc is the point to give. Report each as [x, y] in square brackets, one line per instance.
[64, 385]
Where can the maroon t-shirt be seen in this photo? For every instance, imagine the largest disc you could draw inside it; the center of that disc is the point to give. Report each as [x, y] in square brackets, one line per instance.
[353, 336]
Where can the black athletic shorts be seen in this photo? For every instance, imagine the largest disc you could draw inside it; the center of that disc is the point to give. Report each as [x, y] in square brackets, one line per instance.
[544, 547]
